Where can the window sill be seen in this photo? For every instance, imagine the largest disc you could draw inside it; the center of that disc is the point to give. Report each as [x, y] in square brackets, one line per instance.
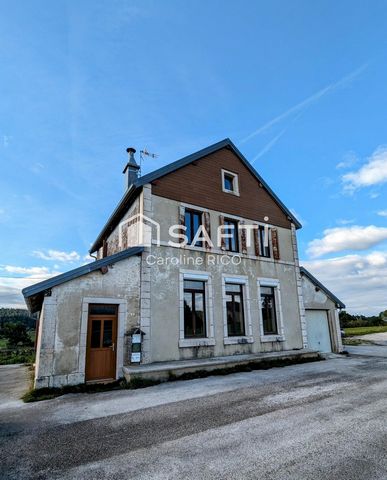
[237, 340]
[196, 342]
[231, 192]
[272, 338]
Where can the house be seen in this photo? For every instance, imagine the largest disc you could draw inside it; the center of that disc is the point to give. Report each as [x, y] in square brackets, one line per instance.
[199, 260]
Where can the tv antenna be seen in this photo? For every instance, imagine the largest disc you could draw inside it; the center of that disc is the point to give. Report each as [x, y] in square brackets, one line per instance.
[145, 153]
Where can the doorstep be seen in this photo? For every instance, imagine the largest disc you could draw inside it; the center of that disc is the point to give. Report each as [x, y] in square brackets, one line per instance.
[163, 371]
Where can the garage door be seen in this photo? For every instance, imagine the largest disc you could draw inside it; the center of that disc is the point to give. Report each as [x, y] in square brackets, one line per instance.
[318, 330]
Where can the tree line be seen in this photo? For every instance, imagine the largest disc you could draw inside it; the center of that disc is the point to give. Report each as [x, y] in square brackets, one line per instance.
[347, 320]
[17, 327]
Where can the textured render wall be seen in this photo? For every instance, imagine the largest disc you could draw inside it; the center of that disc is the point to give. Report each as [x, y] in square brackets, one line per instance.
[165, 283]
[61, 349]
[166, 314]
[113, 239]
[318, 300]
[166, 212]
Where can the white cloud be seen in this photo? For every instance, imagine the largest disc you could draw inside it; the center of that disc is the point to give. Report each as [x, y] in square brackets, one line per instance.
[57, 255]
[350, 159]
[346, 238]
[344, 221]
[373, 172]
[12, 285]
[382, 213]
[25, 270]
[357, 280]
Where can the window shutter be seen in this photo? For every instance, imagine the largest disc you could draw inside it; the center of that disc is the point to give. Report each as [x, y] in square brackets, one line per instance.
[275, 245]
[256, 241]
[243, 237]
[207, 226]
[181, 222]
[223, 240]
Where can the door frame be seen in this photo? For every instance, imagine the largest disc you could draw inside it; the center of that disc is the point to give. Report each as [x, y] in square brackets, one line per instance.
[328, 319]
[121, 321]
[102, 318]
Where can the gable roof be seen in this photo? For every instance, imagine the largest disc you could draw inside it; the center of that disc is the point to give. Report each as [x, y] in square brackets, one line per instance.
[318, 284]
[34, 294]
[134, 189]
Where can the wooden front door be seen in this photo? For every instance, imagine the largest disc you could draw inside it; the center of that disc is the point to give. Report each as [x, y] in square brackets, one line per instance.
[101, 342]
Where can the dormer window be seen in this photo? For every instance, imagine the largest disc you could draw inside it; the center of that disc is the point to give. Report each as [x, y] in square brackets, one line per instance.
[230, 182]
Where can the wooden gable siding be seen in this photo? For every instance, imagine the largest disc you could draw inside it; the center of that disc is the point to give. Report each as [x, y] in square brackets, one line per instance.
[200, 183]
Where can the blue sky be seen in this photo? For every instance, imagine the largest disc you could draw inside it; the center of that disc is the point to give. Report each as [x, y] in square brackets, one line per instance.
[300, 87]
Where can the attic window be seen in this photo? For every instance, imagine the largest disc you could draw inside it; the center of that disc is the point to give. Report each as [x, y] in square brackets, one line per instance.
[230, 182]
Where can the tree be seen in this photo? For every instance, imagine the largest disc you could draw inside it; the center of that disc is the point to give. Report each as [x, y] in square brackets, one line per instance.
[16, 334]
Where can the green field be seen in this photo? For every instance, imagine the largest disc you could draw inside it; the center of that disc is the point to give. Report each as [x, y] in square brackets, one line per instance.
[351, 332]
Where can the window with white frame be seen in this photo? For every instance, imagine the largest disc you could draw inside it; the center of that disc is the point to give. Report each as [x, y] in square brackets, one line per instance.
[236, 310]
[230, 182]
[270, 311]
[196, 305]
[194, 309]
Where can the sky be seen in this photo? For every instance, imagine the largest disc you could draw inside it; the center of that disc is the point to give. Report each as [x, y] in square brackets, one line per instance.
[299, 87]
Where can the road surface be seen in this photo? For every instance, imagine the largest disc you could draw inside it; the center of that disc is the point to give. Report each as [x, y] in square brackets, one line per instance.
[324, 420]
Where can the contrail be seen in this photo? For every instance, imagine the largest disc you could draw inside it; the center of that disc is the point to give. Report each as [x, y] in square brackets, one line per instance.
[313, 98]
[274, 140]
[269, 145]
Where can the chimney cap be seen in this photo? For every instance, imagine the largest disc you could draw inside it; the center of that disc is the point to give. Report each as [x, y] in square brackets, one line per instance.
[131, 150]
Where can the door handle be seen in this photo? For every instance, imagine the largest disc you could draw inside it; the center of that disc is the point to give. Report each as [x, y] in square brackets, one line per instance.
[113, 346]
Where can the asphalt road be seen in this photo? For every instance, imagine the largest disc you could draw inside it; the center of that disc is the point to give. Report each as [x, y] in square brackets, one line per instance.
[325, 420]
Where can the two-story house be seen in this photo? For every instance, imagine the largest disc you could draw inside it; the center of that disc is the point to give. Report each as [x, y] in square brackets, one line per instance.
[198, 261]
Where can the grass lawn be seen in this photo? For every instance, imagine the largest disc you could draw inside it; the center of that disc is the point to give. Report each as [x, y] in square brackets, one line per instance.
[351, 332]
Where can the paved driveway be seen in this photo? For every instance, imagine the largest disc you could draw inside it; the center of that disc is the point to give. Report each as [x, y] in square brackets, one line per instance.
[375, 338]
[324, 420]
[14, 382]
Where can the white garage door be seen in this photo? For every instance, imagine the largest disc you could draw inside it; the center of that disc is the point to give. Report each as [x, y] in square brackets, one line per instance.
[318, 330]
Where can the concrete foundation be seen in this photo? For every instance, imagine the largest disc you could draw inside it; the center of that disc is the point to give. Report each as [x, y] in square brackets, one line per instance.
[163, 371]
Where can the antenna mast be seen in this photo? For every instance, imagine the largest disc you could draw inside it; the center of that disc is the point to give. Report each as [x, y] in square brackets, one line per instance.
[145, 153]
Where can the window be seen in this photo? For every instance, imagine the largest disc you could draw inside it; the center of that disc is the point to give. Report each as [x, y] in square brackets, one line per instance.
[231, 241]
[230, 182]
[234, 310]
[193, 221]
[264, 249]
[194, 309]
[268, 309]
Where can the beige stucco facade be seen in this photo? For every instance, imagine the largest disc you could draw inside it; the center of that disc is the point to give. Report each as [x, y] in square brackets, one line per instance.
[61, 349]
[316, 299]
[171, 265]
[148, 290]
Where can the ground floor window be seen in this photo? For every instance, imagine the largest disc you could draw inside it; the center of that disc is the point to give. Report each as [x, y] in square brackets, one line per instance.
[234, 309]
[268, 309]
[194, 309]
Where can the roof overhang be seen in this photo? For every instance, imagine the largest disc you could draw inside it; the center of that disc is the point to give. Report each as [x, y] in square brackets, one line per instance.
[34, 295]
[328, 293]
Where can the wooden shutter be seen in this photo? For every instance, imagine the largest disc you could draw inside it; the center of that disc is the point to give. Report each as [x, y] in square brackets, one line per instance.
[243, 237]
[207, 226]
[257, 249]
[181, 222]
[223, 240]
[275, 244]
